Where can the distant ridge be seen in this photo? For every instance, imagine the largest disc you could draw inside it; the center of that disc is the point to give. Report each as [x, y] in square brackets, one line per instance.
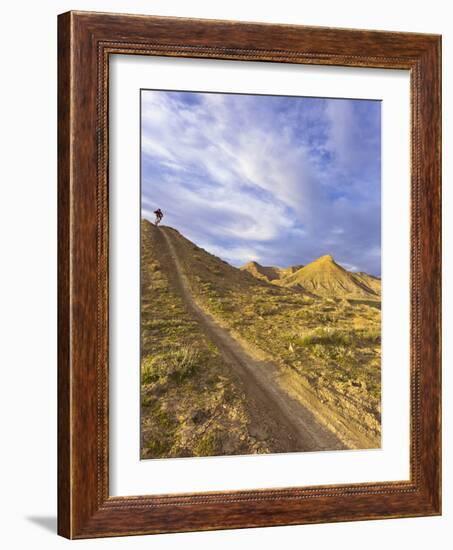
[326, 278]
[269, 273]
[266, 273]
[322, 277]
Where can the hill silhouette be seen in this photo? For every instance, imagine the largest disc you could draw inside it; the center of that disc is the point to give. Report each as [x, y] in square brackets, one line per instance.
[324, 277]
[269, 273]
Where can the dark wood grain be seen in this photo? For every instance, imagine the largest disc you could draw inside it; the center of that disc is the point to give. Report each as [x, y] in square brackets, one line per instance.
[64, 367]
[85, 42]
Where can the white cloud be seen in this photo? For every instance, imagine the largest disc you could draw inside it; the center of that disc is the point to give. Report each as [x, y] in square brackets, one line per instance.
[242, 174]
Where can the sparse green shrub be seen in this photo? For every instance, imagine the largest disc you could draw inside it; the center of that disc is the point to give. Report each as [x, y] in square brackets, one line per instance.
[183, 363]
[326, 336]
[157, 446]
[370, 336]
[177, 365]
[208, 445]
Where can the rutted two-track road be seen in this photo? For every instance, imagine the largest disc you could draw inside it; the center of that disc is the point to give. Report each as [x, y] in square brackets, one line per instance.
[289, 424]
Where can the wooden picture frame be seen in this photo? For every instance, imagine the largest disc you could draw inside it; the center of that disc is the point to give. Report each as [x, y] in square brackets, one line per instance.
[85, 42]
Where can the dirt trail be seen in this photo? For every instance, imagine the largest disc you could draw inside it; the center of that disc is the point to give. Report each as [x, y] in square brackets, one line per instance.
[291, 426]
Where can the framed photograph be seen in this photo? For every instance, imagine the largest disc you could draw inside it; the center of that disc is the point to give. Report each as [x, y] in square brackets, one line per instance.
[249, 275]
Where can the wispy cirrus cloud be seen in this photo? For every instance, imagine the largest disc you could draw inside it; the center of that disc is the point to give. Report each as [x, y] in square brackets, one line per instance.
[281, 180]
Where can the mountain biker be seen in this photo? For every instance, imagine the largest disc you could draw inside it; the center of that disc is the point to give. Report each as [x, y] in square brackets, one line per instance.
[159, 216]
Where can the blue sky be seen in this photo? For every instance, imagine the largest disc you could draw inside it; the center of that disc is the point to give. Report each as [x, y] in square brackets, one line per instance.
[279, 180]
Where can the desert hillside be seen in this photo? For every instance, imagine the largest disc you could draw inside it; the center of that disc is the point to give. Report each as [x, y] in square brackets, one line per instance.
[269, 273]
[191, 405]
[322, 277]
[319, 324]
[370, 281]
[325, 277]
